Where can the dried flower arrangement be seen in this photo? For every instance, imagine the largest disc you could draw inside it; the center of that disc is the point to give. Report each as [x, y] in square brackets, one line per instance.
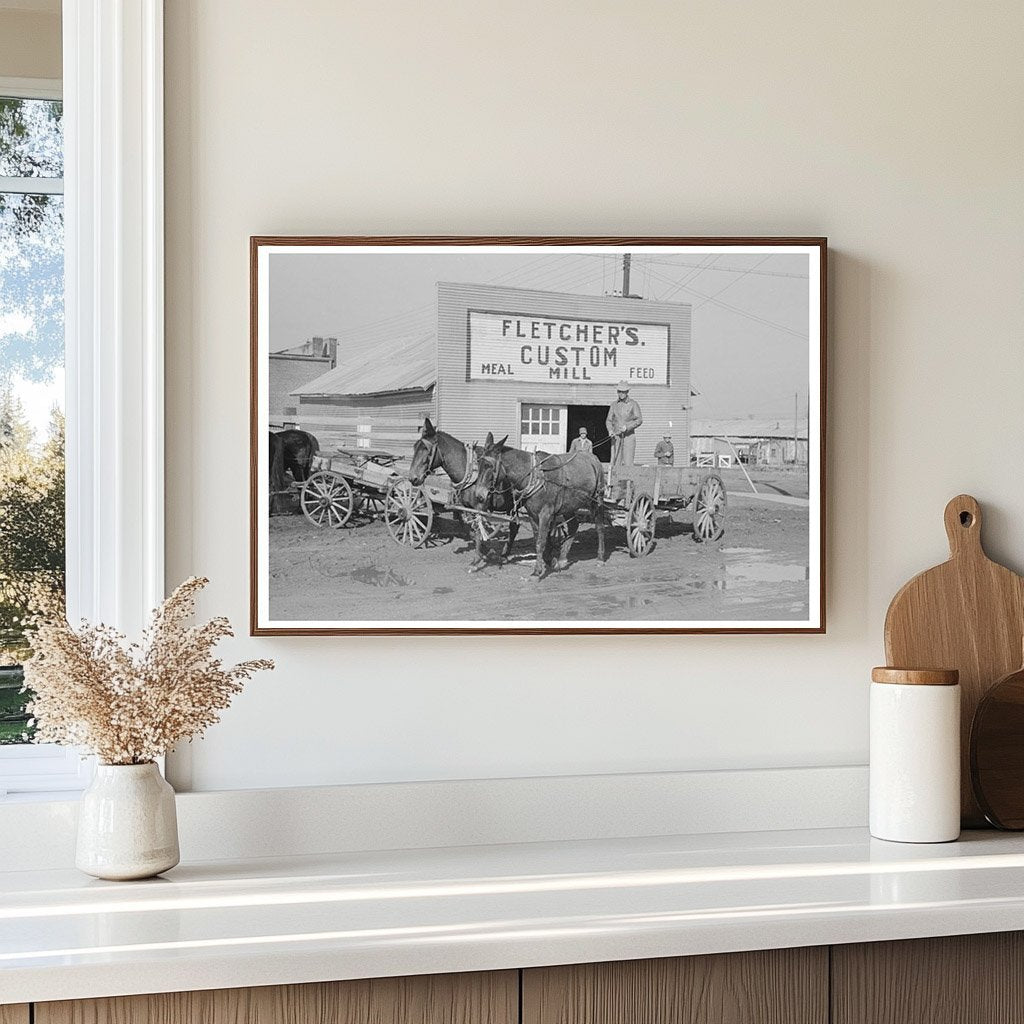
[130, 703]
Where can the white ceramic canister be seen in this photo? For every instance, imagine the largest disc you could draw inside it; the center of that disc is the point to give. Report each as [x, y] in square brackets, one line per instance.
[915, 755]
[127, 825]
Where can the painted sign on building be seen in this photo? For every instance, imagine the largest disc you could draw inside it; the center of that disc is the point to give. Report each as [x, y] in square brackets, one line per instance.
[551, 350]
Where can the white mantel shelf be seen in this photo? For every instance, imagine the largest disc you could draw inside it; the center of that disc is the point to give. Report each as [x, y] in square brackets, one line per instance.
[226, 924]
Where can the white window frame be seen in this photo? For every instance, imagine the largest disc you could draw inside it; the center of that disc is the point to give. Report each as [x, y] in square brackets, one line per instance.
[114, 347]
[40, 767]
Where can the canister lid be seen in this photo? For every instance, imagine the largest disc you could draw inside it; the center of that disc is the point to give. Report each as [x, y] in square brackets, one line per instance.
[916, 676]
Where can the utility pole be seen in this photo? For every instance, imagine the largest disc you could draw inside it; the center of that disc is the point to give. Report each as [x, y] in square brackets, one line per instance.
[796, 420]
[626, 261]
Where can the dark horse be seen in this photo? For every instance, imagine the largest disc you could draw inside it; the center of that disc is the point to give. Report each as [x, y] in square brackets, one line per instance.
[436, 449]
[276, 467]
[298, 449]
[551, 488]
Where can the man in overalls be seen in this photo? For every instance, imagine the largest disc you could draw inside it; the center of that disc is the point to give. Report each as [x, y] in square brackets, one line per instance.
[624, 416]
[664, 452]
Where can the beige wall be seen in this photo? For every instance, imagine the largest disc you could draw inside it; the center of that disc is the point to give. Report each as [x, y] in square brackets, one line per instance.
[895, 129]
[29, 44]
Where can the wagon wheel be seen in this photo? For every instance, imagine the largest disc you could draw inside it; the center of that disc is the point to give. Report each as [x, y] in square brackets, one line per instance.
[408, 513]
[327, 499]
[709, 507]
[640, 525]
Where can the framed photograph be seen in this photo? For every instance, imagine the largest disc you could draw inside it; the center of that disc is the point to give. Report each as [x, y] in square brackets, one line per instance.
[537, 435]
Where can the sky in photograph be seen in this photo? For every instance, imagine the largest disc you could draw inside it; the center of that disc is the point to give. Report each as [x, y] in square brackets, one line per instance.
[750, 312]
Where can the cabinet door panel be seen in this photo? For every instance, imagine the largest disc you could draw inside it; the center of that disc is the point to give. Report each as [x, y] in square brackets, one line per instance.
[484, 998]
[14, 1014]
[779, 986]
[960, 979]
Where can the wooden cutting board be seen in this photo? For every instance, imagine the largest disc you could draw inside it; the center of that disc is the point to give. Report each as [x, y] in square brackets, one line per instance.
[967, 614]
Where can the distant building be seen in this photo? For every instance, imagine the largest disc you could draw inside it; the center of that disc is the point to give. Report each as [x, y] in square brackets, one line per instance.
[293, 367]
[372, 403]
[755, 442]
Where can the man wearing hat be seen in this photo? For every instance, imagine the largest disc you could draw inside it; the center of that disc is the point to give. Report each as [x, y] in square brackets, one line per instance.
[582, 443]
[624, 416]
[664, 452]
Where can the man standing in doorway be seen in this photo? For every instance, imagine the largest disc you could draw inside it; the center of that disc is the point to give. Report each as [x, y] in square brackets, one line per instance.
[664, 452]
[624, 416]
[582, 443]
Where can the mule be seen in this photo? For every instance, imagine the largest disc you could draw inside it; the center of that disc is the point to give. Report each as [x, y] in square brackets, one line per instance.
[299, 449]
[435, 449]
[552, 489]
[276, 471]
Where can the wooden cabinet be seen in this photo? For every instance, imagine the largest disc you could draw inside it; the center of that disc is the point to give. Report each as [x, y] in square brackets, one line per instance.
[778, 986]
[962, 979]
[491, 998]
[968, 979]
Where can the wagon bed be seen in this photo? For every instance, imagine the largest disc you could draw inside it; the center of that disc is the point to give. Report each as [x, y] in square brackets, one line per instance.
[347, 480]
[635, 497]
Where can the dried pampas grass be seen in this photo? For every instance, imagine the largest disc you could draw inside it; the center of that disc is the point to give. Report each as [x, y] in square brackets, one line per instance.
[130, 703]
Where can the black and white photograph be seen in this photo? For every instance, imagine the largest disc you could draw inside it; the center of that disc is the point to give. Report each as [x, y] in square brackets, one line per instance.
[549, 435]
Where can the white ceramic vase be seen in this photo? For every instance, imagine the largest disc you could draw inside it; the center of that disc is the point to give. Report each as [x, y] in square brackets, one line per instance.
[127, 824]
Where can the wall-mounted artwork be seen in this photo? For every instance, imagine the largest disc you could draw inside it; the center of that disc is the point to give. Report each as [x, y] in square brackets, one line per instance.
[548, 435]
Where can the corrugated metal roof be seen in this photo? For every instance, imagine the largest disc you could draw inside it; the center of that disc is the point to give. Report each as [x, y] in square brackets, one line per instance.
[777, 427]
[407, 364]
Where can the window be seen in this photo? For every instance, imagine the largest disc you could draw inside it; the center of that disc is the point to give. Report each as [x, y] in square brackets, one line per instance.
[32, 533]
[31, 382]
[112, 120]
[540, 419]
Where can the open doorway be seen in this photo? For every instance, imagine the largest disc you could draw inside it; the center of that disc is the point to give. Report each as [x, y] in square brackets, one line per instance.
[592, 417]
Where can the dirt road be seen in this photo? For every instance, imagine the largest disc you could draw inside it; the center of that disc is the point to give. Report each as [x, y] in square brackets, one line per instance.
[758, 570]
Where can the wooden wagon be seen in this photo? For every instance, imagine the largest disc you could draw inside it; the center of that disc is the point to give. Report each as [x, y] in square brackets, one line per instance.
[636, 496]
[345, 481]
[349, 480]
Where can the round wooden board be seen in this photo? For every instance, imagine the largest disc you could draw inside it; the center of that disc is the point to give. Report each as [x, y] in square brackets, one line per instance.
[997, 753]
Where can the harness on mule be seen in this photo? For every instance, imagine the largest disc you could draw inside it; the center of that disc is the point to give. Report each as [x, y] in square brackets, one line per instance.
[536, 481]
[472, 467]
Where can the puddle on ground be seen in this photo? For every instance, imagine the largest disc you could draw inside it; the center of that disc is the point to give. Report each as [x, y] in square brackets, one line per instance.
[767, 572]
[744, 551]
[444, 590]
[374, 577]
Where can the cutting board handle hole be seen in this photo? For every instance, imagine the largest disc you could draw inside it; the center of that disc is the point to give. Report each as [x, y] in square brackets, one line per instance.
[966, 518]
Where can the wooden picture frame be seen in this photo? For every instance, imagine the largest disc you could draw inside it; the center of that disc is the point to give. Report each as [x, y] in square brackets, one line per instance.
[519, 338]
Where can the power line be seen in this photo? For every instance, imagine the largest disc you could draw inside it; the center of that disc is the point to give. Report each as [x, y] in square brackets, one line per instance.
[417, 312]
[668, 262]
[577, 276]
[735, 309]
[692, 276]
[735, 280]
[545, 270]
[533, 271]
